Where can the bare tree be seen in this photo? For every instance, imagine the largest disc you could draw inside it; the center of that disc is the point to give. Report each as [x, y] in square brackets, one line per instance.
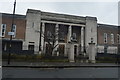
[51, 40]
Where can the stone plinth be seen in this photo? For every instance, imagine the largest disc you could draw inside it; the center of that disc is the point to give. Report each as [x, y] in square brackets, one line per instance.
[92, 52]
[71, 52]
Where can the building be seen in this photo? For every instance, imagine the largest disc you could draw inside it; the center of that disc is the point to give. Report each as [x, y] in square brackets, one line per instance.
[50, 33]
[108, 37]
[19, 29]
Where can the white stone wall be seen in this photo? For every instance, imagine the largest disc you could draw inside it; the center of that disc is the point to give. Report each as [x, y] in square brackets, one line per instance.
[32, 29]
[100, 49]
[92, 52]
[90, 31]
[110, 49]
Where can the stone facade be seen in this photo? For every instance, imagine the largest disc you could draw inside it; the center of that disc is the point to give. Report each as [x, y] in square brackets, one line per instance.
[46, 32]
[32, 35]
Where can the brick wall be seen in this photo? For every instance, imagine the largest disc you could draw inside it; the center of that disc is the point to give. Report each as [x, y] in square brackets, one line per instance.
[20, 22]
[109, 30]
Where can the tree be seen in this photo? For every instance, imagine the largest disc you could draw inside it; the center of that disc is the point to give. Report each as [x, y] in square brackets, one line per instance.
[50, 38]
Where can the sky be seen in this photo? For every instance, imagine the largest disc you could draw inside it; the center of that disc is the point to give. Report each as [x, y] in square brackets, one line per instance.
[106, 11]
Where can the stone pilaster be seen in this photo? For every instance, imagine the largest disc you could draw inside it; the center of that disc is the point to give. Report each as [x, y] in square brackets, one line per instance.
[69, 33]
[90, 31]
[82, 39]
[56, 40]
[32, 33]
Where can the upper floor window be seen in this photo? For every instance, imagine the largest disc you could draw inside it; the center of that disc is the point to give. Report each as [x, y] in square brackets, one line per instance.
[14, 30]
[74, 37]
[105, 37]
[49, 35]
[62, 36]
[3, 30]
[112, 38]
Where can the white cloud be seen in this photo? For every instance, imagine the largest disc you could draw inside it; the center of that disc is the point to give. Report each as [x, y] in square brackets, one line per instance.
[106, 12]
[60, 0]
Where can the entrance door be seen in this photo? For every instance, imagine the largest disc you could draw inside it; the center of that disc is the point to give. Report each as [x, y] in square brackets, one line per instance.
[75, 50]
[61, 50]
[48, 49]
[31, 47]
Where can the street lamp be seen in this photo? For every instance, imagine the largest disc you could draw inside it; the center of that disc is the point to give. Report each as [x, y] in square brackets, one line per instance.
[11, 33]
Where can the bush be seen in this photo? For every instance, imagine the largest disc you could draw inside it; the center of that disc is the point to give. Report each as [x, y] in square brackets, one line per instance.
[35, 58]
[106, 59]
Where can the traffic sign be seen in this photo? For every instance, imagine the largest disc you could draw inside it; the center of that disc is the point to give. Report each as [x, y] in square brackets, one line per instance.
[11, 33]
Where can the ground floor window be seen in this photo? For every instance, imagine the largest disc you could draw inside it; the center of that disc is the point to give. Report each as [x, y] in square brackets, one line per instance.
[61, 50]
[31, 47]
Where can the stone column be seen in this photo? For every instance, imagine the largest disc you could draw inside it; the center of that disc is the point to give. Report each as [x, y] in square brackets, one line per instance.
[56, 40]
[68, 40]
[69, 33]
[92, 52]
[82, 39]
[42, 37]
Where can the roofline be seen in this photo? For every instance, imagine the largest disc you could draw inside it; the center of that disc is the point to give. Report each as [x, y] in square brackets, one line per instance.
[16, 15]
[107, 24]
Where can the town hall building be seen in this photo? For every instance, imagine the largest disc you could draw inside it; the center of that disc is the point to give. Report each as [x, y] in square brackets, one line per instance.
[52, 33]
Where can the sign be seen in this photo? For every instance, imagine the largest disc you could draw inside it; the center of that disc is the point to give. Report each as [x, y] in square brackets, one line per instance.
[11, 33]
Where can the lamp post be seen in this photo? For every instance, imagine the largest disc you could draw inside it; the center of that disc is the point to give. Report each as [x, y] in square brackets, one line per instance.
[11, 32]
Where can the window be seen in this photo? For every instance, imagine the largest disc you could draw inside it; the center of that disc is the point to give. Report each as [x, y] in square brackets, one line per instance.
[14, 30]
[31, 47]
[62, 36]
[49, 35]
[112, 38]
[105, 37]
[118, 38]
[74, 37]
[3, 30]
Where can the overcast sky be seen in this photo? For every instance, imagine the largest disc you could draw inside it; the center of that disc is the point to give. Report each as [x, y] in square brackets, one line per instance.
[105, 11]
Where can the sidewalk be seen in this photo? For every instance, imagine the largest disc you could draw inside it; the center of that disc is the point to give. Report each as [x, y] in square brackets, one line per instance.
[57, 65]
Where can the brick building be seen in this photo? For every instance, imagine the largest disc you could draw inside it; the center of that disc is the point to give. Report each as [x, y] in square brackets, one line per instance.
[40, 31]
[19, 29]
[108, 37]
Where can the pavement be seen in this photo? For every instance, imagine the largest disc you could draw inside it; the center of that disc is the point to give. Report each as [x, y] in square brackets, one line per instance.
[57, 64]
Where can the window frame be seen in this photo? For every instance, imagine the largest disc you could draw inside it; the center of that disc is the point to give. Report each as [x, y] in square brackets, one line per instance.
[112, 38]
[105, 38]
[14, 30]
[62, 36]
[1, 33]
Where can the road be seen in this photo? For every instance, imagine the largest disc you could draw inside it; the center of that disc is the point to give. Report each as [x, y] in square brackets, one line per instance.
[87, 72]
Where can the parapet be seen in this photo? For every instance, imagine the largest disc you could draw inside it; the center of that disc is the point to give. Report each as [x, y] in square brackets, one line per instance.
[33, 11]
